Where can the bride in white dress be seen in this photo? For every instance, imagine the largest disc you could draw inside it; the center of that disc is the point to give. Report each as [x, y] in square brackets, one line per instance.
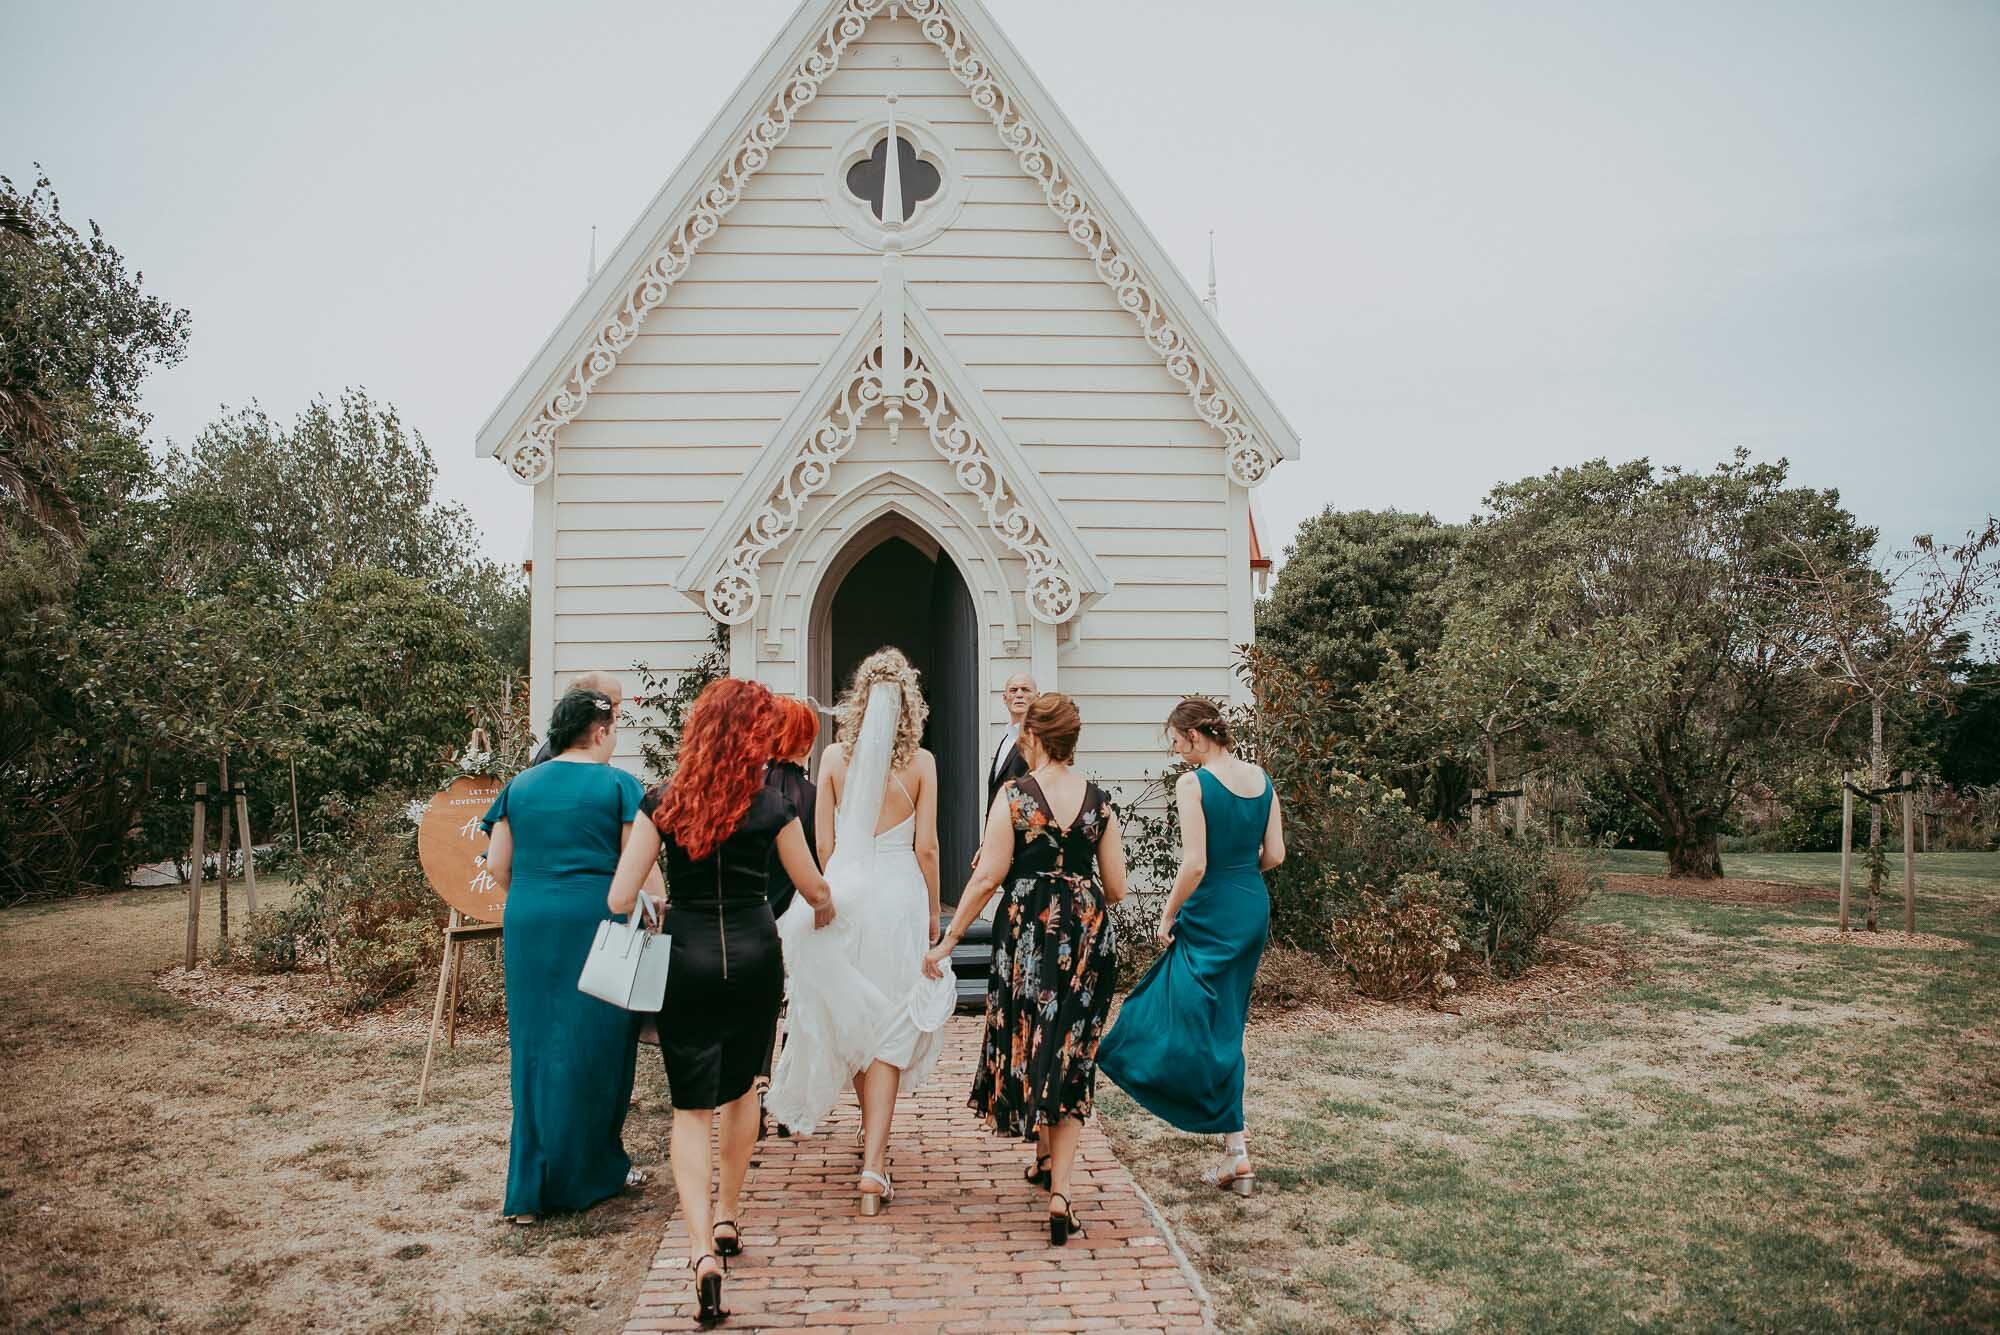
[861, 1011]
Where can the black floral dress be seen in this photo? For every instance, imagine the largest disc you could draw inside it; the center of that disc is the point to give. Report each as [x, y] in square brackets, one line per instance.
[1054, 963]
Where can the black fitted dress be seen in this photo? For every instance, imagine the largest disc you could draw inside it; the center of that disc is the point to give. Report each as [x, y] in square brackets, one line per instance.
[725, 976]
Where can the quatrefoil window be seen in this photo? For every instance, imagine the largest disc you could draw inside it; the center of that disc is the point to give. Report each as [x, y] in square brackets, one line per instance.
[867, 180]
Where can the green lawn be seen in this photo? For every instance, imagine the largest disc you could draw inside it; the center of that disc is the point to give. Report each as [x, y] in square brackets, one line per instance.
[1742, 1133]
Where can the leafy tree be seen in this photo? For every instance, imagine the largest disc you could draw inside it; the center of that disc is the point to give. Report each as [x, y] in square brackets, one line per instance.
[345, 487]
[391, 679]
[1887, 640]
[1962, 738]
[1628, 620]
[1358, 587]
[494, 598]
[77, 337]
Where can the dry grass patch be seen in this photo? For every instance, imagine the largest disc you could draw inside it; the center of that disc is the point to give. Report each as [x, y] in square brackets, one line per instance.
[176, 1166]
[1680, 1120]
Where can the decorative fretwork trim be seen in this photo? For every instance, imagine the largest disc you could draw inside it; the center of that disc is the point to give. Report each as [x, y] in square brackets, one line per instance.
[1250, 457]
[1054, 593]
[531, 456]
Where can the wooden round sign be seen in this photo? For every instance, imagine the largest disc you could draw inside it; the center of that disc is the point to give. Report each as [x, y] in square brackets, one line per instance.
[449, 842]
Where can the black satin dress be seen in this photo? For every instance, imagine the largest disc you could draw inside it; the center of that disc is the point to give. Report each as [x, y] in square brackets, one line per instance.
[725, 977]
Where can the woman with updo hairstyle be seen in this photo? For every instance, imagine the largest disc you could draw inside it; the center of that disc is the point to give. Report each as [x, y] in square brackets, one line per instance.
[1178, 1045]
[718, 822]
[557, 829]
[1053, 841]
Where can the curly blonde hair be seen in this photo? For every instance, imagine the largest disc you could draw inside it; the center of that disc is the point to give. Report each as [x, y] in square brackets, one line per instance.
[886, 665]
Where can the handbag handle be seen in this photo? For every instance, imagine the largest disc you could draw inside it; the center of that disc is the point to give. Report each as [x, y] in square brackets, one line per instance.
[647, 910]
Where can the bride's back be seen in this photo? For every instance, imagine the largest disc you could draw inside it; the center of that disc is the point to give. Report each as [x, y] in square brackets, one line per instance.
[899, 799]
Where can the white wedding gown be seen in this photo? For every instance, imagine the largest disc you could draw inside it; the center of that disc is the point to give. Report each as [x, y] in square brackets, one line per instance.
[856, 987]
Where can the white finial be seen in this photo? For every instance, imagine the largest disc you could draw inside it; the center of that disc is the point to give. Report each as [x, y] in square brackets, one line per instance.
[893, 384]
[591, 277]
[892, 179]
[1209, 301]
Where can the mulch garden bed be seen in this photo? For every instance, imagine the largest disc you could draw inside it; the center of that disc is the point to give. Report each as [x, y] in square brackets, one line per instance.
[1725, 890]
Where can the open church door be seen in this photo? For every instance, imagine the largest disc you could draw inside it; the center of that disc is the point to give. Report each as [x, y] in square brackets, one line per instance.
[953, 686]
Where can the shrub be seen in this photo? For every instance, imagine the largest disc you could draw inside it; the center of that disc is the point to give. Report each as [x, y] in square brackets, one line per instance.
[1346, 832]
[672, 694]
[1517, 890]
[1402, 944]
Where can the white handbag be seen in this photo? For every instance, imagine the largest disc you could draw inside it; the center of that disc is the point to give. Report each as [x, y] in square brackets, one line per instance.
[627, 964]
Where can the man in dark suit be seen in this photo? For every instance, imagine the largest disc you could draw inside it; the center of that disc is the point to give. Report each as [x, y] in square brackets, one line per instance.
[1007, 764]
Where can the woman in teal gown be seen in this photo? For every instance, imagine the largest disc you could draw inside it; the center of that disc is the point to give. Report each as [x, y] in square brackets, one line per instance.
[1177, 1044]
[557, 830]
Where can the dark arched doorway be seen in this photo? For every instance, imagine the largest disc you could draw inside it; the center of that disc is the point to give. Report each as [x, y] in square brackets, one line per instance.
[904, 590]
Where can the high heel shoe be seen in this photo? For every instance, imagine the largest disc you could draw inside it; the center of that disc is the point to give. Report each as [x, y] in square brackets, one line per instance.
[1237, 1179]
[1064, 1224]
[873, 1201]
[709, 1310]
[1038, 1173]
[729, 1246]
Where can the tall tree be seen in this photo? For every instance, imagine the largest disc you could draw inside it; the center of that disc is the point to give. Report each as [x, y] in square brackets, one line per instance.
[1888, 639]
[1357, 588]
[1633, 609]
[78, 335]
[346, 487]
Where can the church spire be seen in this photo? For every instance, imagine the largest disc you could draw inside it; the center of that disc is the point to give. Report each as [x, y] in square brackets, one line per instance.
[1208, 302]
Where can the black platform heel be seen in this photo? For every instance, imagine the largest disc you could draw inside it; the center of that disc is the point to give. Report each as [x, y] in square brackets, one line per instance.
[708, 1295]
[729, 1246]
[1064, 1224]
[1038, 1173]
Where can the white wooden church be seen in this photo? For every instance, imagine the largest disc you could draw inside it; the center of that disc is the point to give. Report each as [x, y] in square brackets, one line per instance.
[891, 360]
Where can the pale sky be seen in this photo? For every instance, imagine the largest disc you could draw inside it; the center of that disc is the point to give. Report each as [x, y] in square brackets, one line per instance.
[1459, 243]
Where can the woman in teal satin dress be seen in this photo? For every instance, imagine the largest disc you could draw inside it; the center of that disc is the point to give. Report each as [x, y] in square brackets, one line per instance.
[1177, 1044]
[557, 831]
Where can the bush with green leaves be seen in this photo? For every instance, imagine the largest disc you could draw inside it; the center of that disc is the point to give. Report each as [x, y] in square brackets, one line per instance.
[1401, 942]
[1347, 832]
[669, 695]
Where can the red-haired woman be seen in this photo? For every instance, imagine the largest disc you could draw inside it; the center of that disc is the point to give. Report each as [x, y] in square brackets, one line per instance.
[718, 823]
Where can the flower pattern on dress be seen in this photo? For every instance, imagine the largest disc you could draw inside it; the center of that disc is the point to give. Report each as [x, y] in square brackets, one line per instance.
[1054, 962]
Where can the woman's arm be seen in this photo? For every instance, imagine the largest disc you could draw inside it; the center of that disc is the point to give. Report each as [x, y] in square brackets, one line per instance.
[1194, 851]
[1274, 838]
[797, 860]
[927, 834]
[638, 864]
[833, 768]
[500, 855]
[1111, 858]
[996, 855]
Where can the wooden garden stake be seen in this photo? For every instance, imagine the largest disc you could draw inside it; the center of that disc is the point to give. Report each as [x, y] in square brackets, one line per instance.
[1909, 862]
[298, 844]
[1846, 841]
[195, 873]
[249, 849]
[222, 858]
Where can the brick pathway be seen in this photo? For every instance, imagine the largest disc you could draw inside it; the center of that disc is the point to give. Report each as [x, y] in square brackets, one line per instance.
[965, 1246]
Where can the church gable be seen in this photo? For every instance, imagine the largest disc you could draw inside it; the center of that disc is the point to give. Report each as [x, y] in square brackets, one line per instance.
[893, 363]
[772, 230]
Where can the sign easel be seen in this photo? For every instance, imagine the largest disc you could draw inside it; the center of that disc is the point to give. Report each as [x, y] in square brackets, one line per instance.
[452, 847]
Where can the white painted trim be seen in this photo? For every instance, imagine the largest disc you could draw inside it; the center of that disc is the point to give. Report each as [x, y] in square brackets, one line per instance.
[761, 515]
[542, 610]
[1242, 602]
[762, 477]
[1026, 479]
[693, 202]
[994, 596]
[621, 267]
[1042, 658]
